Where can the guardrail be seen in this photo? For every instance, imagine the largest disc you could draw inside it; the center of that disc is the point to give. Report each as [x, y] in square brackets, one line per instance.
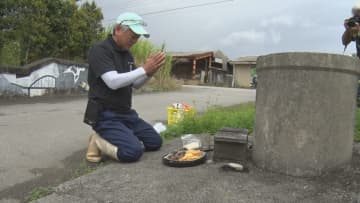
[40, 83]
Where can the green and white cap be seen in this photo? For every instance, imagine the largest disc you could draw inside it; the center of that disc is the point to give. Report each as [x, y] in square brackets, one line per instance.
[135, 23]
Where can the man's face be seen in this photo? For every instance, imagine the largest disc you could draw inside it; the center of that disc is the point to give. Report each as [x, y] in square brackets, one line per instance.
[125, 39]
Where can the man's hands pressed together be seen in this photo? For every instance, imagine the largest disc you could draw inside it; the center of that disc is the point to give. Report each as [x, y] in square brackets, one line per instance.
[154, 63]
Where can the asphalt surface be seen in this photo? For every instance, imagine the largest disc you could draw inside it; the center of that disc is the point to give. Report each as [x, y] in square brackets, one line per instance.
[151, 181]
[36, 136]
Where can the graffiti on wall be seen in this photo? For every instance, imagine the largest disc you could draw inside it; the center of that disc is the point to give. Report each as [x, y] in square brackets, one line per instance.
[51, 76]
[75, 71]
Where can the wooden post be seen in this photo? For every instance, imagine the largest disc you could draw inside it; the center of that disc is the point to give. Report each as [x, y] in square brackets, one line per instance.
[207, 78]
[206, 70]
[194, 69]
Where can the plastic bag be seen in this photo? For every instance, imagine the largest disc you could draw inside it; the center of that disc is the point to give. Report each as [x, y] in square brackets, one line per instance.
[191, 142]
[159, 127]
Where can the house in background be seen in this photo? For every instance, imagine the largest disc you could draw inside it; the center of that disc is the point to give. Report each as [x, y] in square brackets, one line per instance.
[207, 67]
[191, 66]
[242, 71]
[213, 68]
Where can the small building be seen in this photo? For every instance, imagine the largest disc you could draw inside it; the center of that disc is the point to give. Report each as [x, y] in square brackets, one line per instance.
[189, 66]
[207, 67]
[43, 76]
[242, 71]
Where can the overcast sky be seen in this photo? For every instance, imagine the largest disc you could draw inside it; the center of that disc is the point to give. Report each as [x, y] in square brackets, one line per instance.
[241, 27]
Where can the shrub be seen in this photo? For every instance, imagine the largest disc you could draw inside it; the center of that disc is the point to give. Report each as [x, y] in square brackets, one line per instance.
[162, 79]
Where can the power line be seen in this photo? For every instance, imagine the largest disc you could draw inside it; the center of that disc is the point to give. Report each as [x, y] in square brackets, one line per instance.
[135, 3]
[178, 8]
[144, 3]
[186, 7]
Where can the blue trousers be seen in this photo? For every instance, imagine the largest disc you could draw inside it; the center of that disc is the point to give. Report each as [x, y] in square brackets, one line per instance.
[127, 131]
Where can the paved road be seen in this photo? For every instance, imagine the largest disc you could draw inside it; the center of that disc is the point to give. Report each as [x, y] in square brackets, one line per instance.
[40, 135]
[150, 181]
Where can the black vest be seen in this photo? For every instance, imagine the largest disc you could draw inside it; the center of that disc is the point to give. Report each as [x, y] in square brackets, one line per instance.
[119, 100]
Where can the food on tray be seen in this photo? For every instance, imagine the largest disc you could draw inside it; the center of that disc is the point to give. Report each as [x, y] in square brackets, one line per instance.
[191, 155]
[175, 156]
[185, 155]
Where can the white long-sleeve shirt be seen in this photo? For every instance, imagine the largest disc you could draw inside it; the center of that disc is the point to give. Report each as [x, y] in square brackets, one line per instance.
[115, 80]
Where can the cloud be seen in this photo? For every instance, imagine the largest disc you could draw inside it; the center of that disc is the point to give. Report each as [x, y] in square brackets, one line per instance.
[278, 21]
[252, 37]
[275, 26]
[244, 37]
[261, 27]
[308, 24]
[275, 36]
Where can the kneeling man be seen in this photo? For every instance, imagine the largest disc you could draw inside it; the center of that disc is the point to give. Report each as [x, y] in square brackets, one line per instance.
[120, 133]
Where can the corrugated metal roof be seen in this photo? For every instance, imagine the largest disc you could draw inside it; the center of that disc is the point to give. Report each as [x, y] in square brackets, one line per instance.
[216, 54]
[192, 54]
[245, 60]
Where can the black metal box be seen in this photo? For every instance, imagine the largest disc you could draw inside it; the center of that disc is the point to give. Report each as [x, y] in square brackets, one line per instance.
[230, 144]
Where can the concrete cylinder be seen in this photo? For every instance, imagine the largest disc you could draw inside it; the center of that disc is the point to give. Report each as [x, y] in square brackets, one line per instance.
[305, 112]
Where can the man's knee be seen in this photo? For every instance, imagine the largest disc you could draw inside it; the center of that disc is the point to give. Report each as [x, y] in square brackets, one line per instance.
[156, 143]
[130, 154]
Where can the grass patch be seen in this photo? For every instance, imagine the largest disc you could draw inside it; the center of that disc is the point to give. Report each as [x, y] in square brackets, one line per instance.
[81, 169]
[357, 126]
[240, 116]
[86, 167]
[38, 193]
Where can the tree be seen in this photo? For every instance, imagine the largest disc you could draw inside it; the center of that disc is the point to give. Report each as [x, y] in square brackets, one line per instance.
[8, 14]
[49, 28]
[59, 14]
[32, 29]
[86, 29]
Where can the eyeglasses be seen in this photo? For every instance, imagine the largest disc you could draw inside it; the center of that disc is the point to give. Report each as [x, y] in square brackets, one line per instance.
[134, 37]
[133, 22]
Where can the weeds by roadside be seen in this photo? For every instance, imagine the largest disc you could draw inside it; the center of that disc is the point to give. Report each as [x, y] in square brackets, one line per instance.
[162, 80]
[83, 168]
[38, 193]
[240, 116]
[357, 126]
